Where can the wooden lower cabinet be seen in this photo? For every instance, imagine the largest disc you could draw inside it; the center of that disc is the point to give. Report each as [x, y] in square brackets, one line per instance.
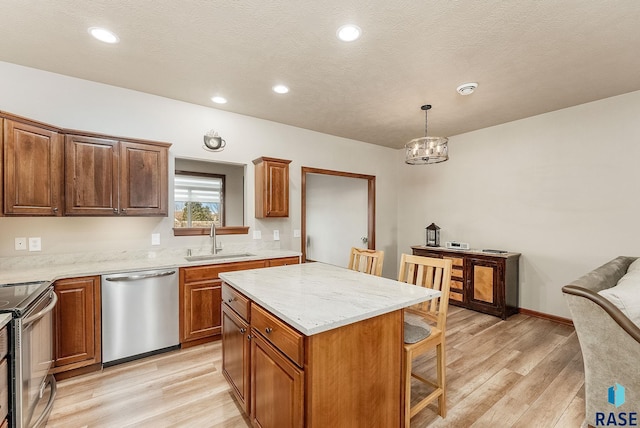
[235, 355]
[200, 298]
[483, 282]
[345, 377]
[77, 323]
[277, 387]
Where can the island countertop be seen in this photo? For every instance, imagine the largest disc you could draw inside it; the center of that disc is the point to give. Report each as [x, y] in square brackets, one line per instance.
[317, 297]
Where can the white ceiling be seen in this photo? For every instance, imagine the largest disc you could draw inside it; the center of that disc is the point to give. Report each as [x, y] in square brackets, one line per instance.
[529, 57]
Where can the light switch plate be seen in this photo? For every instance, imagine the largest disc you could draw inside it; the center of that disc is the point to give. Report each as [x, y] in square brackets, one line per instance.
[276, 235]
[257, 234]
[296, 233]
[155, 239]
[35, 244]
[21, 244]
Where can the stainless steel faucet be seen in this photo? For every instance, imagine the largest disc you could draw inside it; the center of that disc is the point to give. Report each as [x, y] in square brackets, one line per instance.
[212, 234]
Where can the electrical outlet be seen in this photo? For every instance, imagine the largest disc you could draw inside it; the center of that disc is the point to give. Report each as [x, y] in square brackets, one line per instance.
[155, 239]
[257, 234]
[296, 233]
[35, 244]
[276, 235]
[21, 244]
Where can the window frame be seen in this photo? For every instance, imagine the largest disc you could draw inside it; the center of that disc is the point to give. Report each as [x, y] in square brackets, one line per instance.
[222, 230]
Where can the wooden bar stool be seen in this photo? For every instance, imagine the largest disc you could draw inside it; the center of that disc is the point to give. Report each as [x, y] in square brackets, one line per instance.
[421, 336]
[367, 261]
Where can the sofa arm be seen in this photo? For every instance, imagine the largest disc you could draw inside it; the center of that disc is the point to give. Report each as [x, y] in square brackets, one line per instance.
[610, 345]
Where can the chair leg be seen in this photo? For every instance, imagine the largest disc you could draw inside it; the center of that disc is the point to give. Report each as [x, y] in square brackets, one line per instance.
[442, 368]
[407, 388]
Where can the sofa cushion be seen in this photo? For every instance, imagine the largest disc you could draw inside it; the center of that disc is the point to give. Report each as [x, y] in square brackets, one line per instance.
[626, 295]
[635, 266]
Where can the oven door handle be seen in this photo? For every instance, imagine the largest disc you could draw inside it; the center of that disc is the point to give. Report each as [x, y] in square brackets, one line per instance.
[42, 419]
[44, 311]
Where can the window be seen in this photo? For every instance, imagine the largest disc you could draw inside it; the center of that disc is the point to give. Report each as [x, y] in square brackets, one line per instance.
[199, 200]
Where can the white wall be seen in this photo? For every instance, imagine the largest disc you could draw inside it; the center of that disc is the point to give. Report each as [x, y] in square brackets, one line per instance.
[560, 188]
[78, 104]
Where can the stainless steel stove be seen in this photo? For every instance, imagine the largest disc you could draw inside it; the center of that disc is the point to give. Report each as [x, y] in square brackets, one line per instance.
[30, 351]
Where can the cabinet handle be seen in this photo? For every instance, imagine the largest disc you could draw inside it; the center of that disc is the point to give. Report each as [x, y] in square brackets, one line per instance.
[268, 330]
[115, 210]
[231, 299]
[123, 211]
[243, 330]
[248, 337]
[55, 209]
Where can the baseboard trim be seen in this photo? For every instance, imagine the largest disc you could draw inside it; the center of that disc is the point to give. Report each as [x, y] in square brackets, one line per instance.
[554, 318]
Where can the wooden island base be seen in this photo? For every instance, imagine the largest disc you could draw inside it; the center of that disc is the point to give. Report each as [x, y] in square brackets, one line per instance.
[349, 376]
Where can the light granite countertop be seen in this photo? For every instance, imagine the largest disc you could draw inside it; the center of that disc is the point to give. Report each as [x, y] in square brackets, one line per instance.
[317, 297]
[51, 268]
[4, 319]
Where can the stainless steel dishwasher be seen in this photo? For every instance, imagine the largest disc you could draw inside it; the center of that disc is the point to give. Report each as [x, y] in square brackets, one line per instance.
[139, 314]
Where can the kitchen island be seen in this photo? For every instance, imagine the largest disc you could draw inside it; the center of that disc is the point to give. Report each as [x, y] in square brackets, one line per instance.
[314, 345]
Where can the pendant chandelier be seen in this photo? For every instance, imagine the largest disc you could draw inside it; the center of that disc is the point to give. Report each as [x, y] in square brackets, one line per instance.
[425, 150]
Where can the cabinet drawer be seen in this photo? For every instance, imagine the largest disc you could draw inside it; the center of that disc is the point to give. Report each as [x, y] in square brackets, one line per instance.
[4, 341]
[455, 261]
[284, 261]
[283, 337]
[455, 296]
[456, 285]
[199, 273]
[236, 301]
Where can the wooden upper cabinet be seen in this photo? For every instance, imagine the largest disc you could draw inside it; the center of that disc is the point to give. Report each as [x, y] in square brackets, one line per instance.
[91, 169]
[109, 177]
[143, 179]
[272, 187]
[32, 174]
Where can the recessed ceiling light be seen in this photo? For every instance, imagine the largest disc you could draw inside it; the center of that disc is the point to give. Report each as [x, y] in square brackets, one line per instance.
[219, 100]
[280, 89]
[466, 88]
[349, 33]
[103, 35]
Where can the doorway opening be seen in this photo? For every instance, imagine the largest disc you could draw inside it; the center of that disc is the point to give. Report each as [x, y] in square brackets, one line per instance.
[346, 177]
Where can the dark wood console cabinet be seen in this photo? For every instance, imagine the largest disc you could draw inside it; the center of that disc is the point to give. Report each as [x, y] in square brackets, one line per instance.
[482, 281]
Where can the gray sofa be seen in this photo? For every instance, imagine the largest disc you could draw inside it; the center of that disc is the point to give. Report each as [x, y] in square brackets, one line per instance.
[609, 337]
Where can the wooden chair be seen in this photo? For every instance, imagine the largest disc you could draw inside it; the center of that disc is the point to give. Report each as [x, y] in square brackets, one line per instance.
[367, 261]
[421, 336]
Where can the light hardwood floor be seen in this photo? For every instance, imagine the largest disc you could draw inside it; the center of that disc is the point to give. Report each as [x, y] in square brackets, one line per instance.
[523, 372]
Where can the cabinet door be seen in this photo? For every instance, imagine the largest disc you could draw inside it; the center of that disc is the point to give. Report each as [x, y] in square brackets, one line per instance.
[277, 387]
[484, 291]
[235, 355]
[277, 189]
[77, 322]
[33, 170]
[143, 179]
[200, 309]
[91, 172]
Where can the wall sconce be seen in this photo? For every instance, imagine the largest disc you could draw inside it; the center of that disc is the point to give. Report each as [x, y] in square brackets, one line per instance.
[213, 142]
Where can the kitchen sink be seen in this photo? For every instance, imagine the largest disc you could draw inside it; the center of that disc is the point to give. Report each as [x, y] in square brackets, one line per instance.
[204, 257]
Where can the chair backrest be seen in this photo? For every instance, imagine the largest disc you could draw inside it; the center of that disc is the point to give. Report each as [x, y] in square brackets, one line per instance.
[367, 261]
[431, 273]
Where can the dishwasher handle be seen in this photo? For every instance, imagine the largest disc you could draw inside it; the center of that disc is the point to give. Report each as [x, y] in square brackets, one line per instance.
[139, 277]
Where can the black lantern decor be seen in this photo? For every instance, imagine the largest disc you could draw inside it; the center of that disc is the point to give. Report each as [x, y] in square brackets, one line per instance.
[433, 235]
